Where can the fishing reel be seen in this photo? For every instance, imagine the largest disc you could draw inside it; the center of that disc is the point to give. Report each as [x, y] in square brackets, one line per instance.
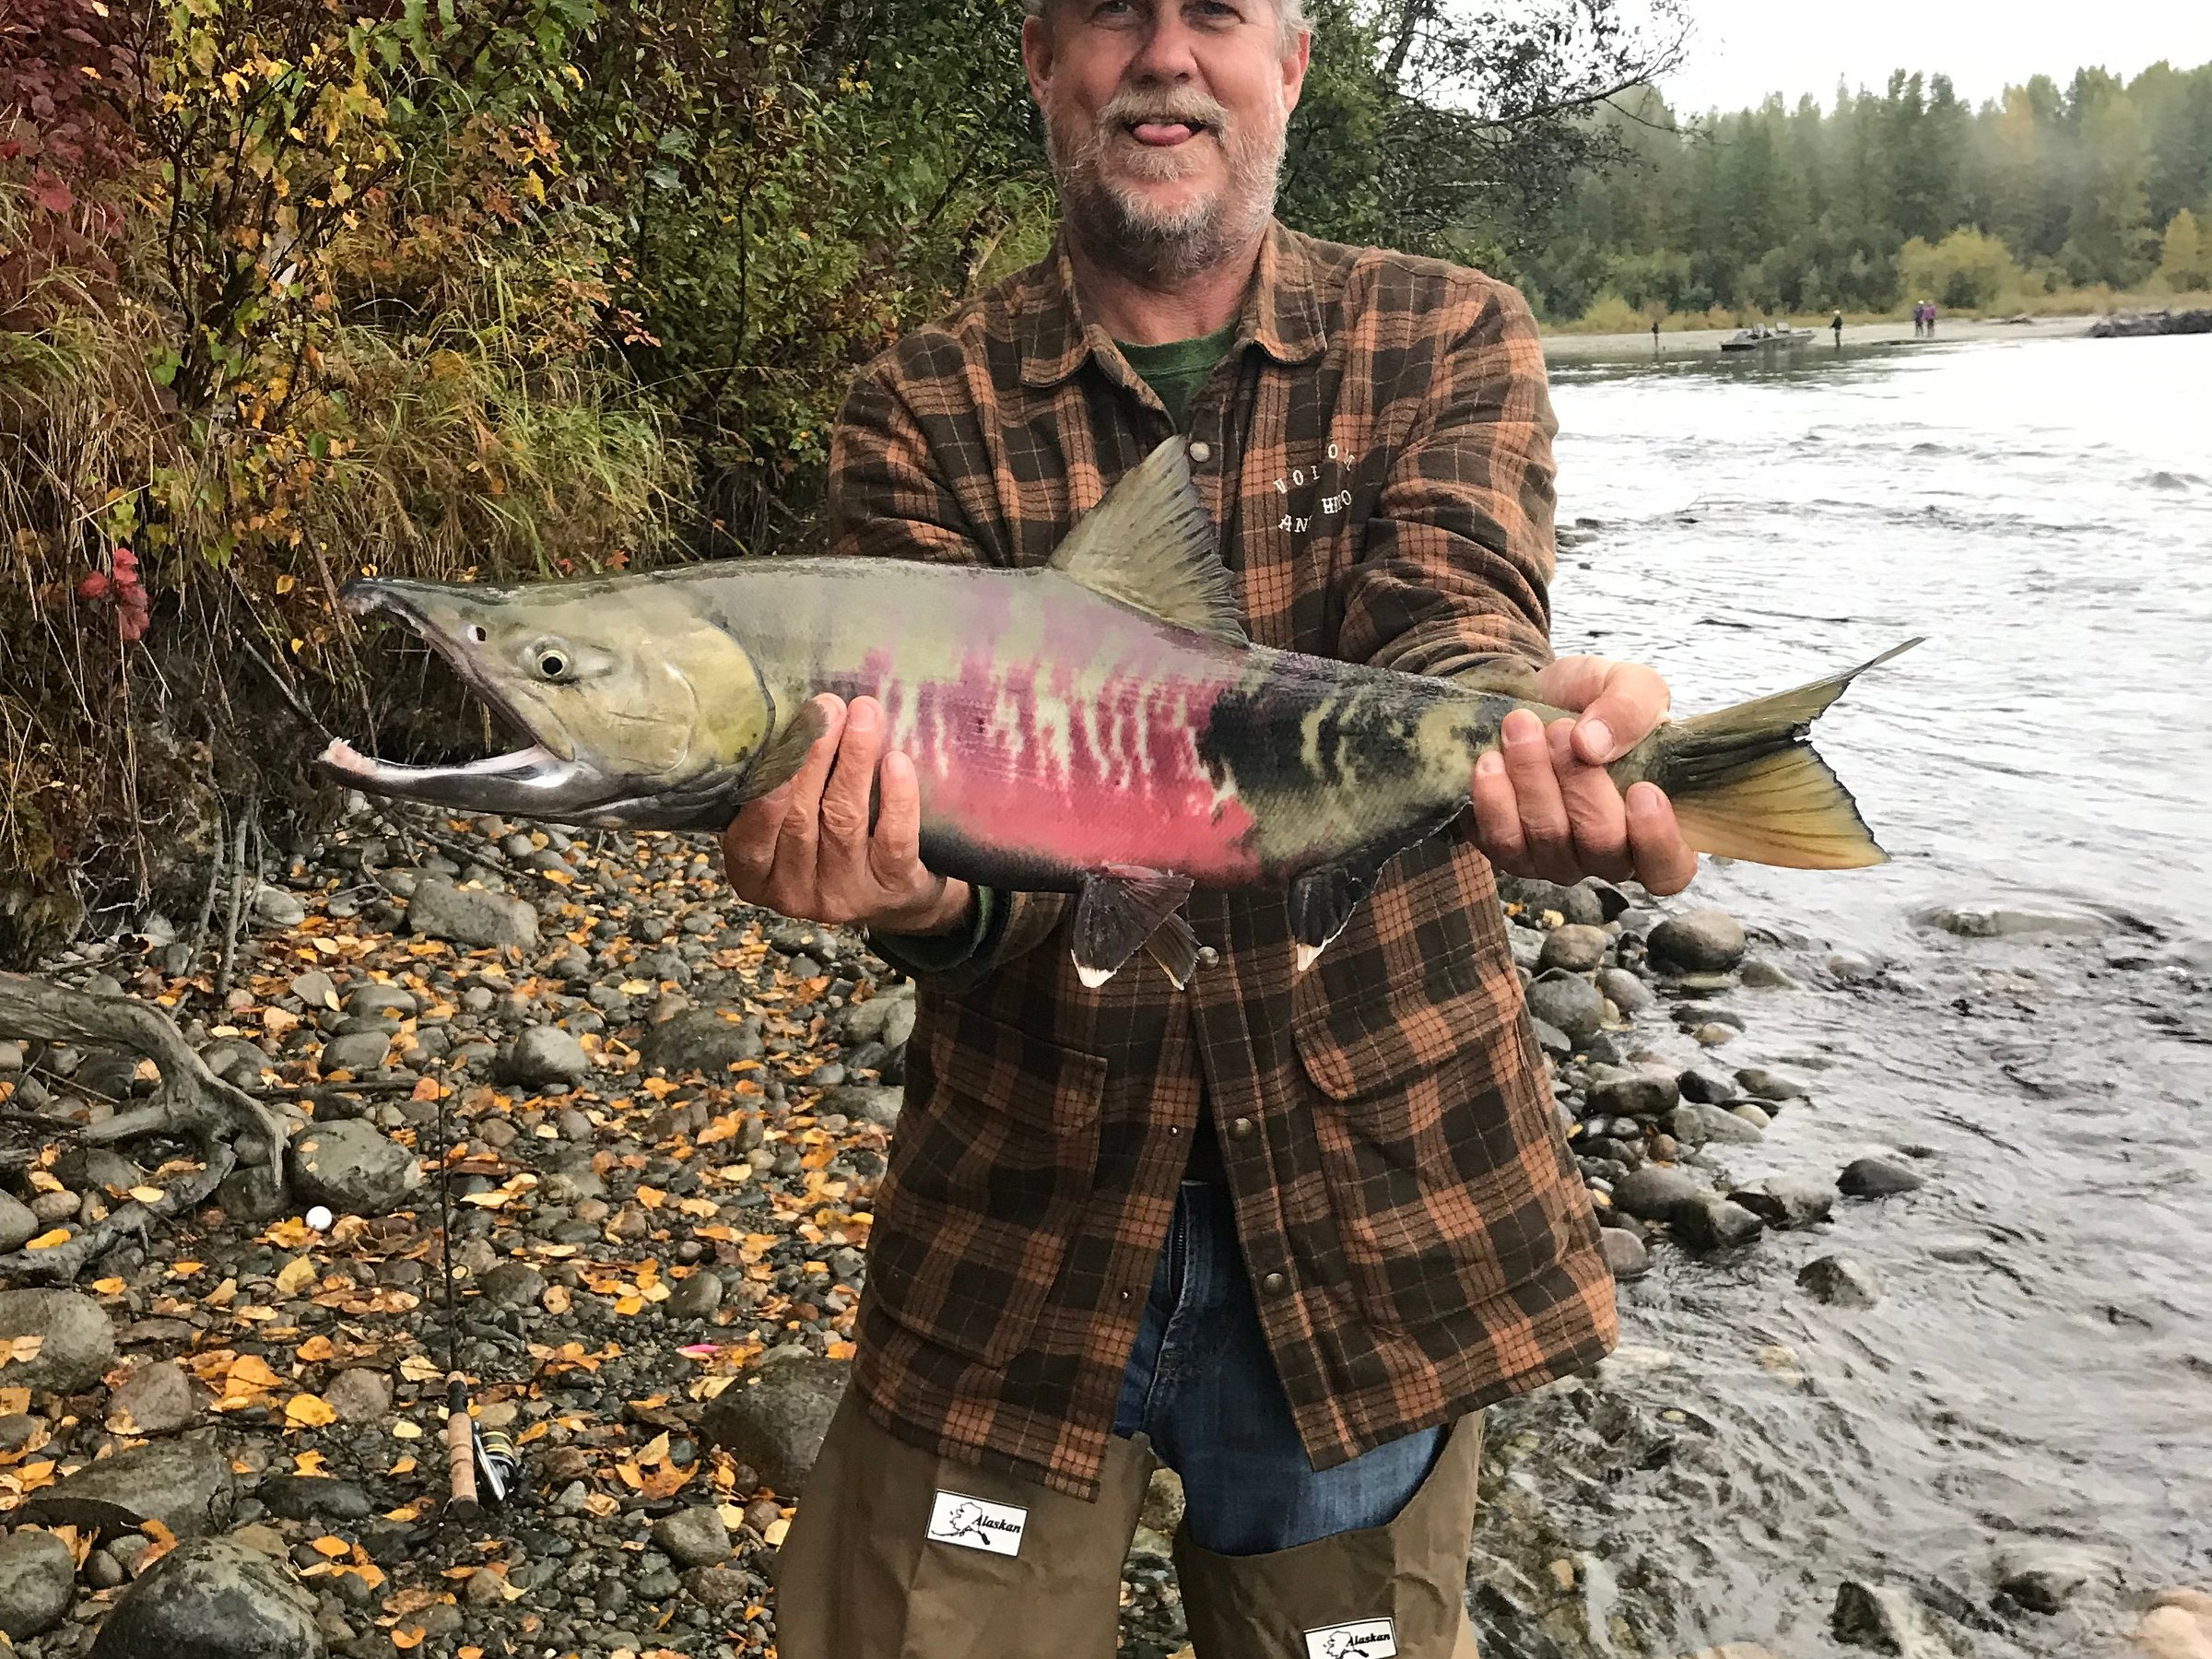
[485, 1464]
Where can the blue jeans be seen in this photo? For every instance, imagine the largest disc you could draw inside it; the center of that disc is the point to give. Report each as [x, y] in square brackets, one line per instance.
[1201, 1387]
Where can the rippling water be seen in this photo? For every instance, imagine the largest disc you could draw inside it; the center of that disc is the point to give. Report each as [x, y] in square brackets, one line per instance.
[2041, 1366]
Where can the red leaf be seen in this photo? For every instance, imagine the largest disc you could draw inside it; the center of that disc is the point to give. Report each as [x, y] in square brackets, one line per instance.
[51, 194]
[94, 586]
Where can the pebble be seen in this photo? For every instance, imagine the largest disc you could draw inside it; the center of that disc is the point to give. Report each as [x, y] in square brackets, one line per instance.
[1700, 941]
[693, 1537]
[1625, 1254]
[1567, 1002]
[543, 1055]
[1576, 947]
[1695, 1125]
[38, 1573]
[1841, 1281]
[1625, 991]
[1712, 1222]
[1877, 1178]
[1655, 1192]
[1763, 1085]
[1786, 1202]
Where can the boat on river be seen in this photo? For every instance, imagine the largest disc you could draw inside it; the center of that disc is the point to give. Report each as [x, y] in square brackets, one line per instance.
[1766, 338]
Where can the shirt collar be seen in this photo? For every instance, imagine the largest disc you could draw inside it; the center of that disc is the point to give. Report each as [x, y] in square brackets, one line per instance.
[1281, 316]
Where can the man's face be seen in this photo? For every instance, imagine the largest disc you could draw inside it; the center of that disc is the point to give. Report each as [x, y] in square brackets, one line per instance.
[1165, 121]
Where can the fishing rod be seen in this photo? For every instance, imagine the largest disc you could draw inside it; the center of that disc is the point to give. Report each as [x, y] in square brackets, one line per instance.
[483, 1465]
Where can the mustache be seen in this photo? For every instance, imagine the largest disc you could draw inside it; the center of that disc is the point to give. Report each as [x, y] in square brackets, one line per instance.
[1190, 107]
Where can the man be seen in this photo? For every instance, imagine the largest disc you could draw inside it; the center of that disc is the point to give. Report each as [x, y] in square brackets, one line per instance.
[1286, 1232]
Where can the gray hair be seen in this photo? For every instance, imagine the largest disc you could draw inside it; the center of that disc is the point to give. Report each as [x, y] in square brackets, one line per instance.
[1291, 12]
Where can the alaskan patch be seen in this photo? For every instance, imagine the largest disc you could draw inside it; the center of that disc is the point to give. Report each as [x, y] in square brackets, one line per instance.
[1364, 1639]
[974, 1523]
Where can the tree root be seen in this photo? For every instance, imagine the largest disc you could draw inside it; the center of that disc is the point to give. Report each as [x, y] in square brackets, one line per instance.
[65, 1261]
[229, 1126]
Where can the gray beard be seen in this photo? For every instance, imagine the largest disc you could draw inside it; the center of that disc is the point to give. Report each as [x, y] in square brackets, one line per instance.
[1116, 229]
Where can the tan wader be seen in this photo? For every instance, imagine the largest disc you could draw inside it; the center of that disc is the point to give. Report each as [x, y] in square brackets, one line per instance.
[897, 1553]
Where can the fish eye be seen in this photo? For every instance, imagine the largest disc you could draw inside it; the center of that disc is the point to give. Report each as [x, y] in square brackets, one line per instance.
[552, 663]
[477, 633]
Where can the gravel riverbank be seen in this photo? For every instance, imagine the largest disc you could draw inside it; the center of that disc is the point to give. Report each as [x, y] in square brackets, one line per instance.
[667, 1114]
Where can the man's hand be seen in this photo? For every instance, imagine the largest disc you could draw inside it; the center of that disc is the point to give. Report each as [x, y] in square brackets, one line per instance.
[806, 849]
[1545, 806]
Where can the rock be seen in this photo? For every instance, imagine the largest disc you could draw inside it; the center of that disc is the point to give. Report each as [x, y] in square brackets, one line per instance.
[1713, 1223]
[1889, 1621]
[1705, 1088]
[1766, 976]
[2179, 1626]
[1551, 1039]
[359, 1395]
[2043, 1577]
[1877, 1178]
[38, 1575]
[438, 910]
[1656, 1191]
[1841, 1281]
[1694, 1125]
[1852, 968]
[315, 988]
[513, 1285]
[701, 1039]
[1567, 1002]
[211, 1598]
[1786, 1202]
[1639, 1095]
[155, 1399]
[1700, 941]
[1763, 1085]
[694, 1298]
[1575, 949]
[1997, 921]
[18, 1225]
[867, 1103]
[273, 907]
[1758, 1117]
[1582, 903]
[865, 1021]
[775, 1418]
[348, 1165]
[543, 1055]
[693, 1537]
[78, 1343]
[1624, 989]
[1625, 1254]
[11, 1056]
[361, 1052]
[723, 1590]
[305, 1497]
[184, 1484]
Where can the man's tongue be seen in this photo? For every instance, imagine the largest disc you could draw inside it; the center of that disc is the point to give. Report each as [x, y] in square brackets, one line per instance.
[1162, 131]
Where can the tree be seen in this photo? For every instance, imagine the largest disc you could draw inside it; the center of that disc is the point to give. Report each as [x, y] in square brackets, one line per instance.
[2185, 256]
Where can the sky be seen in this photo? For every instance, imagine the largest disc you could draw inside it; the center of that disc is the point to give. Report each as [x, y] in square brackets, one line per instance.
[1742, 50]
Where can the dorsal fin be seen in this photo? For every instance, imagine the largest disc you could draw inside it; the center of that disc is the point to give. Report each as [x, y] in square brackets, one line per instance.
[1149, 544]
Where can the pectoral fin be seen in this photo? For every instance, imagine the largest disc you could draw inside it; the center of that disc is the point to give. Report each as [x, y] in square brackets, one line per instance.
[778, 760]
[1123, 908]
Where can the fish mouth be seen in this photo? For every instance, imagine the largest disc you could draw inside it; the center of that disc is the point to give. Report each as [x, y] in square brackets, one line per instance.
[543, 778]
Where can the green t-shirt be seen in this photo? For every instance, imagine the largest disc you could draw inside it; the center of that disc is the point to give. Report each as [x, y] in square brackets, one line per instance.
[1177, 369]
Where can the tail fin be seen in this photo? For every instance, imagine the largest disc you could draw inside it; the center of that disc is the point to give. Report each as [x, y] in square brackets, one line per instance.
[1745, 781]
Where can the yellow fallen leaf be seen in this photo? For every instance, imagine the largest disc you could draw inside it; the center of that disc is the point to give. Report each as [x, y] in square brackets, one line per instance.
[297, 1275]
[109, 1286]
[307, 1463]
[309, 1411]
[47, 1241]
[333, 1548]
[21, 1350]
[407, 1639]
[317, 1348]
[772, 1534]
[416, 1368]
[406, 1428]
[149, 1194]
[401, 1465]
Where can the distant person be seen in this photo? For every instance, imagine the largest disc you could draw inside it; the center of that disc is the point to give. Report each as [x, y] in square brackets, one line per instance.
[1919, 318]
[1654, 337]
[1931, 319]
[1838, 326]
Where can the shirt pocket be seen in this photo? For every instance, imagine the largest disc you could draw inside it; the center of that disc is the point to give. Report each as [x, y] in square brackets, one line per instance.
[995, 1154]
[1444, 1167]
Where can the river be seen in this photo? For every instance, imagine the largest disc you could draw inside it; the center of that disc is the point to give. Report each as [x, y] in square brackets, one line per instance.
[2040, 1372]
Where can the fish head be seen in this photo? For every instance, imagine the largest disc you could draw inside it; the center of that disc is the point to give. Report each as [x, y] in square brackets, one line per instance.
[638, 708]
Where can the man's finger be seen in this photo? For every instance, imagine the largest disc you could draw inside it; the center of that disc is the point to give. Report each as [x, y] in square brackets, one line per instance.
[792, 879]
[1629, 704]
[749, 845]
[1594, 811]
[841, 857]
[1665, 862]
[895, 849]
[1498, 816]
[1544, 823]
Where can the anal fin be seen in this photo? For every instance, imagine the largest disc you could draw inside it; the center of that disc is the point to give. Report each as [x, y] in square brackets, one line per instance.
[1119, 911]
[1175, 947]
[1322, 901]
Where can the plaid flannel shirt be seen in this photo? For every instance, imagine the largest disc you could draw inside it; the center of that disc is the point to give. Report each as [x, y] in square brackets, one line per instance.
[1375, 450]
